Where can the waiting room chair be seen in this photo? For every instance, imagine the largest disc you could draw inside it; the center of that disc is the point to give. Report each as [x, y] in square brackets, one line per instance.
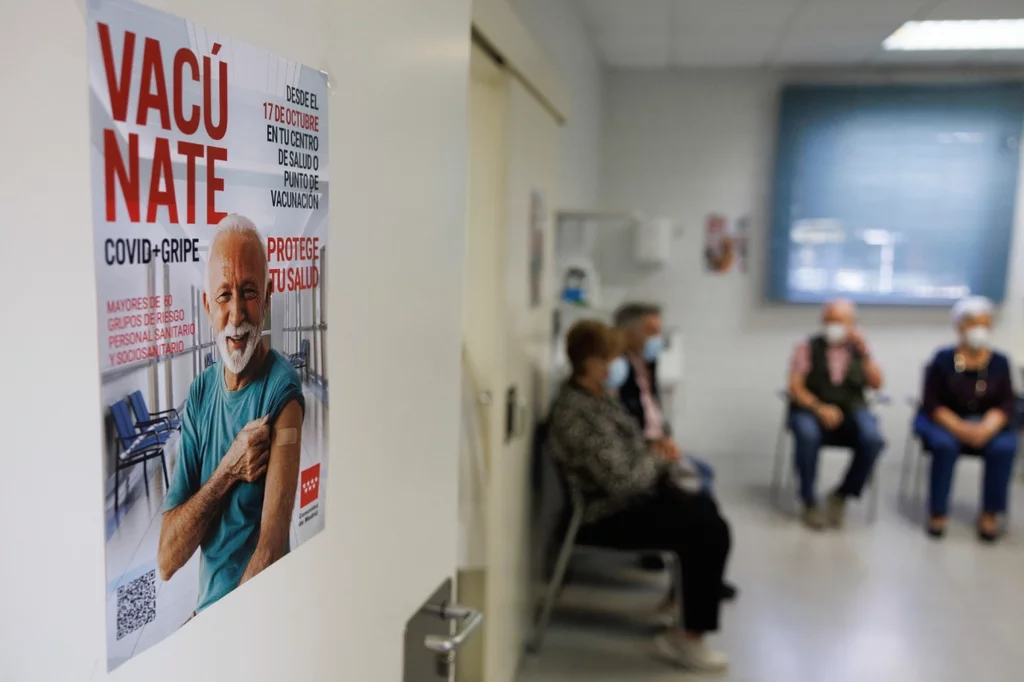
[911, 469]
[135, 447]
[569, 546]
[299, 360]
[164, 420]
[209, 360]
[782, 476]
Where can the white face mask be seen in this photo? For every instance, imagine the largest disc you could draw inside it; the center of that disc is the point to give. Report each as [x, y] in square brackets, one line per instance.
[835, 333]
[977, 337]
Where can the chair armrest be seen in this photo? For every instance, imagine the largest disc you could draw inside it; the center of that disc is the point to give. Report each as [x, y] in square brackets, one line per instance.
[171, 411]
[151, 422]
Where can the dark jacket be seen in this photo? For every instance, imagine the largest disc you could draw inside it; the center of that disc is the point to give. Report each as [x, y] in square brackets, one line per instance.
[969, 393]
[601, 451]
[629, 394]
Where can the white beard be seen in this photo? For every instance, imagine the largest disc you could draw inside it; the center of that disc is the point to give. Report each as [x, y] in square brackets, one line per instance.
[236, 361]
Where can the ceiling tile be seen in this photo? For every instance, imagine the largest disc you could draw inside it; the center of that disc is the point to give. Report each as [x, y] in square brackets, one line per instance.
[739, 39]
[630, 58]
[952, 58]
[633, 48]
[725, 13]
[865, 36]
[839, 14]
[978, 9]
[605, 15]
[823, 56]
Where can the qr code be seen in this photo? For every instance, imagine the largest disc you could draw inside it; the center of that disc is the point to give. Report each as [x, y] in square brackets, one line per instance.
[136, 604]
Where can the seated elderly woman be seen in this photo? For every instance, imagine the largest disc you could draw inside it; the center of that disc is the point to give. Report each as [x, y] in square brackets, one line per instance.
[968, 406]
[632, 500]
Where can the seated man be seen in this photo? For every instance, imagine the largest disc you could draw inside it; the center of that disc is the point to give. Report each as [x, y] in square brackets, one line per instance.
[234, 485]
[969, 404]
[640, 326]
[631, 499]
[828, 376]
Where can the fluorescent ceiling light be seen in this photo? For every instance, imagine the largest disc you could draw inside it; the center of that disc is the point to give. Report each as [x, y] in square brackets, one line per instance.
[994, 34]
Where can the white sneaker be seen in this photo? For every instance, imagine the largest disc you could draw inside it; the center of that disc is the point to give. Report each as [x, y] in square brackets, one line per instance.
[690, 654]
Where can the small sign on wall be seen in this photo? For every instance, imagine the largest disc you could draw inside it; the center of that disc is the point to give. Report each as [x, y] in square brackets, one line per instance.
[725, 244]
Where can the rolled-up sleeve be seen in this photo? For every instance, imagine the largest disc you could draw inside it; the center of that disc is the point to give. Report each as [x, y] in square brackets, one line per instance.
[800, 360]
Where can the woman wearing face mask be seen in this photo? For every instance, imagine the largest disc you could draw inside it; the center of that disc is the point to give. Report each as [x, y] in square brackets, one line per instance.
[631, 499]
[969, 405]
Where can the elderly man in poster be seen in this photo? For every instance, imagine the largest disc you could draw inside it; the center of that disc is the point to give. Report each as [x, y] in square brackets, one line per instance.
[234, 485]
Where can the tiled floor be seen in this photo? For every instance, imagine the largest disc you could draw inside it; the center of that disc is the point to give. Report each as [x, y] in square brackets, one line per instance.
[879, 603]
[134, 537]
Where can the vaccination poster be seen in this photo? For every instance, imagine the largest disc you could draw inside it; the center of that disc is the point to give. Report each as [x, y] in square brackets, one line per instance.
[210, 201]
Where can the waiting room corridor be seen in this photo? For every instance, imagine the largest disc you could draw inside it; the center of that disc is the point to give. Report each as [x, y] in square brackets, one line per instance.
[881, 603]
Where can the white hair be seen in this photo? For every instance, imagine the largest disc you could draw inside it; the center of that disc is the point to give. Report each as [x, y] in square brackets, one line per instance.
[235, 224]
[970, 306]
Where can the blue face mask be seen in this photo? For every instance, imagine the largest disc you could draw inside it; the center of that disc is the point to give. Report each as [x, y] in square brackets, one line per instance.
[618, 372]
[653, 347]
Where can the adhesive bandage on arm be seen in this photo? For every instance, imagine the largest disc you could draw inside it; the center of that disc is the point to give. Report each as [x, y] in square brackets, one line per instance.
[287, 436]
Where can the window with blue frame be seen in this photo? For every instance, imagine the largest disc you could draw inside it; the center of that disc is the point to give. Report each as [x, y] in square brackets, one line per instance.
[899, 195]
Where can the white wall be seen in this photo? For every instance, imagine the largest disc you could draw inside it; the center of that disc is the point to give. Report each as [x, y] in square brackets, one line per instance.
[688, 144]
[561, 35]
[334, 610]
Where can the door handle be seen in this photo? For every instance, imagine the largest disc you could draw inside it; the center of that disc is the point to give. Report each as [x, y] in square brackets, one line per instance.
[470, 620]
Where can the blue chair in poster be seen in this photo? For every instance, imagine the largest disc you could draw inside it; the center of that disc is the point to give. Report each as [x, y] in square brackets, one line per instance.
[164, 420]
[135, 447]
[209, 360]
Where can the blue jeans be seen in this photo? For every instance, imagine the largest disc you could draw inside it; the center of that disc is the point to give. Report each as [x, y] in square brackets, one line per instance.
[858, 431]
[998, 454]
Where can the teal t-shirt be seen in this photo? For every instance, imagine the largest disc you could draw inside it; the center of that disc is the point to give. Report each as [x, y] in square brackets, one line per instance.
[212, 418]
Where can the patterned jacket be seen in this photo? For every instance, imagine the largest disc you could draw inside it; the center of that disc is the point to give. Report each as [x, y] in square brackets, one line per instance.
[601, 450]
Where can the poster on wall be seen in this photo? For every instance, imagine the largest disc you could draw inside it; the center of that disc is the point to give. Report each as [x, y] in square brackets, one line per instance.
[210, 211]
[719, 251]
[537, 220]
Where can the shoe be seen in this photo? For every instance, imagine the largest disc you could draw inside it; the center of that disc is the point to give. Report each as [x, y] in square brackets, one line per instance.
[835, 510]
[690, 654]
[729, 591]
[936, 528]
[813, 518]
[986, 535]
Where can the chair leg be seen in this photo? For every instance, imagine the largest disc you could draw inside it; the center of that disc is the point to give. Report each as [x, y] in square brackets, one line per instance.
[117, 486]
[675, 566]
[873, 508]
[551, 594]
[916, 498]
[145, 475]
[779, 465]
[908, 455]
[163, 464]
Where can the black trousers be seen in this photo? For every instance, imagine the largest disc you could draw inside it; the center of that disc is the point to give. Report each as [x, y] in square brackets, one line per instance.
[688, 525]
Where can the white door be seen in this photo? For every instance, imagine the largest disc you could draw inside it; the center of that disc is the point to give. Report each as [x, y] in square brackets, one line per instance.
[513, 166]
[483, 335]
